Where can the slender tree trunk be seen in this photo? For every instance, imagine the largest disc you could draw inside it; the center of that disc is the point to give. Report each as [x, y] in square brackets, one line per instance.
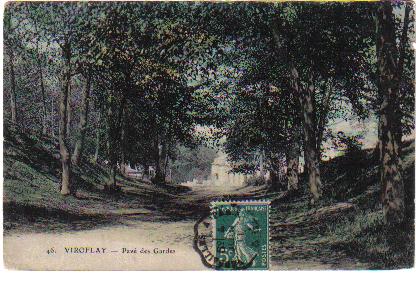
[307, 110]
[166, 167]
[114, 122]
[52, 118]
[97, 140]
[163, 161]
[166, 159]
[377, 149]
[97, 147]
[392, 188]
[122, 144]
[63, 114]
[262, 170]
[157, 151]
[160, 154]
[292, 158]
[121, 133]
[69, 110]
[112, 181]
[113, 175]
[12, 88]
[111, 151]
[79, 145]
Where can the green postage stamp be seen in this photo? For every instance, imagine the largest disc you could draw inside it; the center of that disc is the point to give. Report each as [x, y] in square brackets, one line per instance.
[241, 235]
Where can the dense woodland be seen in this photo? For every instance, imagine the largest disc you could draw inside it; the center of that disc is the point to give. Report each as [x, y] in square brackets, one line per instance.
[136, 83]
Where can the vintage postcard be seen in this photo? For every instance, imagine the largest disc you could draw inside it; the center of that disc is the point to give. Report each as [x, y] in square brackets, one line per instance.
[275, 135]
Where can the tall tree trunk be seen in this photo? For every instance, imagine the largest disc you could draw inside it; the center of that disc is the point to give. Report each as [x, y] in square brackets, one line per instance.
[166, 158]
[123, 144]
[293, 153]
[52, 118]
[112, 181]
[262, 170]
[392, 188]
[79, 145]
[69, 110]
[157, 150]
[308, 114]
[97, 140]
[63, 114]
[163, 161]
[292, 158]
[307, 110]
[97, 147]
[12, 88]
[121, 131]
[166, 167]
[160, 154]
[111, 151]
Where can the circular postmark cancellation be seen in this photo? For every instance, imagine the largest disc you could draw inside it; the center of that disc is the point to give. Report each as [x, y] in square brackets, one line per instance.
[234, 236]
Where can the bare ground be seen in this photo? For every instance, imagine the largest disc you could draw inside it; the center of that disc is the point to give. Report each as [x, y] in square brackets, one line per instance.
[163, 220]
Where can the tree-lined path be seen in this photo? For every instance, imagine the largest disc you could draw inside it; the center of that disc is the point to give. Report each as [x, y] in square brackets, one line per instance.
[96, 90]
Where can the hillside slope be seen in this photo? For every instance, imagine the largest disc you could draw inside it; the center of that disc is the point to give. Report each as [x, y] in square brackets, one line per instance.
[346, 230]
[31, 189]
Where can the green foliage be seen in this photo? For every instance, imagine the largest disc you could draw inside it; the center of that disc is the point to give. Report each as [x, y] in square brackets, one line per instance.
[263, 47]
[349, 145]
[161, 70]
[366, 237]
[192, 164]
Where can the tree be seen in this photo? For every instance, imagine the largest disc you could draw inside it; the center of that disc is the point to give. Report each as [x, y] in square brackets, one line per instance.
[390, 69]
[308, 44]
[298, 53]
[62, 22]
[79, 145]
[88, 55]
[144, 54]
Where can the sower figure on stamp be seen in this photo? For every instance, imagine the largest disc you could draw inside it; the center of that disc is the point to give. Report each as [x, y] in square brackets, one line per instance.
[238, 231]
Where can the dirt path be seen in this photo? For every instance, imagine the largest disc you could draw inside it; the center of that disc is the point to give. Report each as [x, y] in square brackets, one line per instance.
[148, 237]
[29, 251]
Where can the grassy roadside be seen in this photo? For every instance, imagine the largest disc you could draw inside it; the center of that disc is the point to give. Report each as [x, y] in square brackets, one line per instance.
[31, 190]
[346, 230]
